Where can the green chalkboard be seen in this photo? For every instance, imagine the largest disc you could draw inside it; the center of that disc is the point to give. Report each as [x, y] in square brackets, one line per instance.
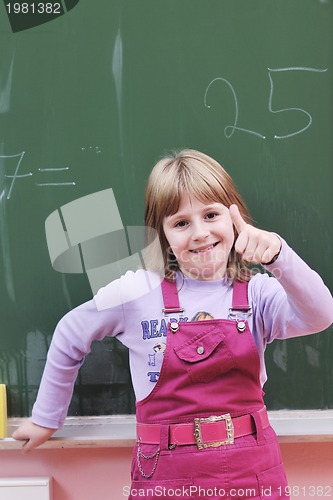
[91, 97]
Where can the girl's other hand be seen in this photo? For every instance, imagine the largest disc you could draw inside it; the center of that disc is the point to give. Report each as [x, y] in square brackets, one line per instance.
[33, 435]
[255, 245]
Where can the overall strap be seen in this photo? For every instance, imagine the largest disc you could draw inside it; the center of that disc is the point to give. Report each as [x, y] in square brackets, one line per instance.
[170, 297]
[240, 301]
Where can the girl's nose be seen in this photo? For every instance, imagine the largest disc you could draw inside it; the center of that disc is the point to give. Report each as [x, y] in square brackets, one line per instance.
[199, 231]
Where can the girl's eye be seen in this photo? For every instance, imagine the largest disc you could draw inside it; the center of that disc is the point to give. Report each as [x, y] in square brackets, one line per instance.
[181, 223]
[211, 215]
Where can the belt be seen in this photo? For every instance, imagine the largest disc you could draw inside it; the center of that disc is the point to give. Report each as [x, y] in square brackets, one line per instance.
[204, 432]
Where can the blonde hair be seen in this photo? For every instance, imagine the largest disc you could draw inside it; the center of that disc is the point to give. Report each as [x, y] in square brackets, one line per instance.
[195, 173]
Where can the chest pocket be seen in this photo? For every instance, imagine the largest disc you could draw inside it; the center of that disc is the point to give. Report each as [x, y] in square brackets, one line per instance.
[206, 355]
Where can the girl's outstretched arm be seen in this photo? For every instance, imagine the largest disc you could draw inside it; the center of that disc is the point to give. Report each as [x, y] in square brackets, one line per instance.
[71, 342]
[297, 302]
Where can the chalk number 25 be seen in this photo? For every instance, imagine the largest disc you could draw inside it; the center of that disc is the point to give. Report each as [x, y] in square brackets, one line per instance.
[230, 129]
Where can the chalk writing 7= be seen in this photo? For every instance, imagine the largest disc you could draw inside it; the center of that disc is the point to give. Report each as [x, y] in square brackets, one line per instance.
[16, 175]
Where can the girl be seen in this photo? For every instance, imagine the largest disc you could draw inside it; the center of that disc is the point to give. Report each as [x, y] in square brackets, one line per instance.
[198, 312]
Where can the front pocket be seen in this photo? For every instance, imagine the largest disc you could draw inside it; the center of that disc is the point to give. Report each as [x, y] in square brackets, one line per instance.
[206, 355]
[273, 483]
[151, 490]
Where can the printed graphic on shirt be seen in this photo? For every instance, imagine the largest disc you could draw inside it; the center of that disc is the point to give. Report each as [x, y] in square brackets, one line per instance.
[153, 376]
[160, 348]
[156, 359]
[154, 329]
[151, 360]
[202, 316]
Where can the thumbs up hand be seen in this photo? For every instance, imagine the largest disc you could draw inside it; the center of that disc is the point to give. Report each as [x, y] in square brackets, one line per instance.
[255, 245]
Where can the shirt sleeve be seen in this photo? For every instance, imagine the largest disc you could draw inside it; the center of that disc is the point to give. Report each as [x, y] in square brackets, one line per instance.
[293, 302]
[70, 344]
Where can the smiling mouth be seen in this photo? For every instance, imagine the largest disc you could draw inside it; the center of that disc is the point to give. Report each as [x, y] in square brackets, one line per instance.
[206, 249]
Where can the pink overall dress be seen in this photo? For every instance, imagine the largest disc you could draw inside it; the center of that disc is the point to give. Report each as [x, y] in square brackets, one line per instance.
[210, 368]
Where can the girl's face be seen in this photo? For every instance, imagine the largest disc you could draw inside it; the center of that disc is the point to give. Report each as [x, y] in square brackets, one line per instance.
[200, 236]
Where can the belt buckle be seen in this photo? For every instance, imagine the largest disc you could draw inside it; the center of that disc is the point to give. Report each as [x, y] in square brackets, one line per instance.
[198, 431]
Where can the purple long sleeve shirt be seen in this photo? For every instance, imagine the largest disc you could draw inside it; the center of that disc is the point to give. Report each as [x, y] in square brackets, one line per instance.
[293, 302]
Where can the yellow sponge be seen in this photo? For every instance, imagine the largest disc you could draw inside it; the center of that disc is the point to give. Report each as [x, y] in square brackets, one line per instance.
[3, 411]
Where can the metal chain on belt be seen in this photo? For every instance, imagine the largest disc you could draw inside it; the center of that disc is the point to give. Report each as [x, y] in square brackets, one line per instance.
[140, 455]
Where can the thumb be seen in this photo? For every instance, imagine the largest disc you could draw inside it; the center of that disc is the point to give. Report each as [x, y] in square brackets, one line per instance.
[20, 435]
[237, 219]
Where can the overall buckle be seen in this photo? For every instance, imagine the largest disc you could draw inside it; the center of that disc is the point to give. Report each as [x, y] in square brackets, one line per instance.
[173, 310]
[198, 431]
